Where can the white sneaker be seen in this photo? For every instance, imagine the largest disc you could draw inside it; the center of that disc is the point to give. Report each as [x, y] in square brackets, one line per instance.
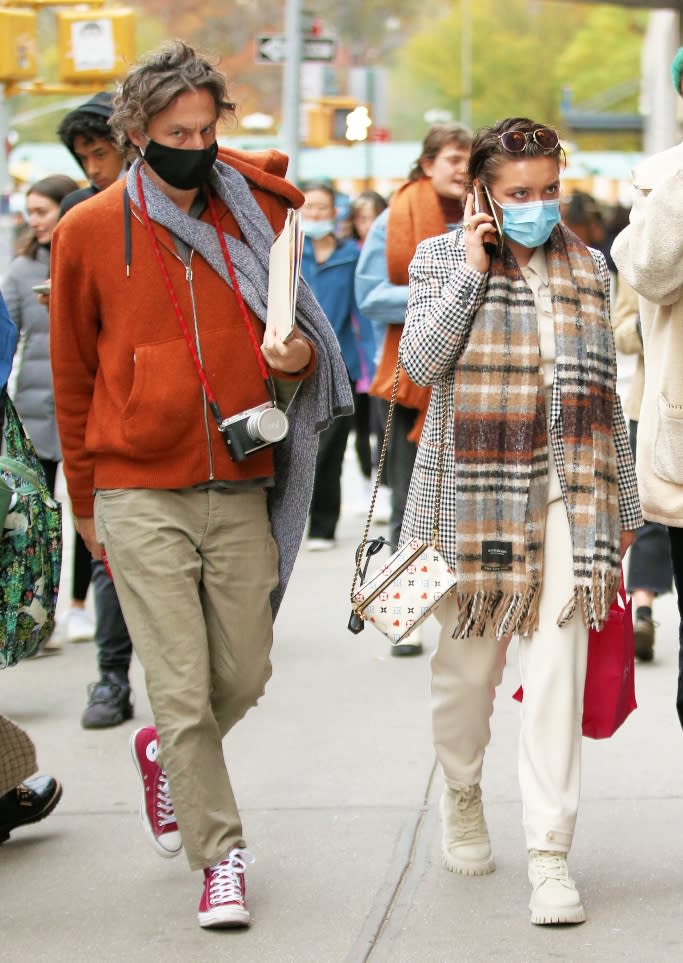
[554, 896]
[320, 544]
[465, 841]
[80, 627]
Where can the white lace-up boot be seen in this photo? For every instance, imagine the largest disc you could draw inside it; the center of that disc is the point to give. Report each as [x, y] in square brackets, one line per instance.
[554, 896]
[465, 842]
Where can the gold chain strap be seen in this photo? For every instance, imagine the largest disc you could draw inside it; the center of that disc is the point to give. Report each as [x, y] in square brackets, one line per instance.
[380, 467]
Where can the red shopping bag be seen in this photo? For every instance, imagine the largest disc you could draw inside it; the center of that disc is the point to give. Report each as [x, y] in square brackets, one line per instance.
[609, 697]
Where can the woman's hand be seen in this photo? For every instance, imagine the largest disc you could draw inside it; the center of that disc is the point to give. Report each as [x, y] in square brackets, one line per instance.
[626, 539]
[477, 228]
[287, 356]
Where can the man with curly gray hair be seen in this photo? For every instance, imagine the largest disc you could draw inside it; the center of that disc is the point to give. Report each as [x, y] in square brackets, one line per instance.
[171, 394]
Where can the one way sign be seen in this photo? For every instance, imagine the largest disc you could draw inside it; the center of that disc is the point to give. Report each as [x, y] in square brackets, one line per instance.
[271, 48]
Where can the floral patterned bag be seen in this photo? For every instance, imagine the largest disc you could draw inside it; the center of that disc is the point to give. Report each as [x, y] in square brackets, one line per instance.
[30, 545]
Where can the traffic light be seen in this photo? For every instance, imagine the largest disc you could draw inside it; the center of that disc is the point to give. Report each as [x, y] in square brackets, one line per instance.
[95, 45]
[17, 45]
[335, 120]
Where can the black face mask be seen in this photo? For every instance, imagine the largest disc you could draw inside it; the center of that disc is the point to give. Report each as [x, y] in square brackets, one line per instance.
[183, 169]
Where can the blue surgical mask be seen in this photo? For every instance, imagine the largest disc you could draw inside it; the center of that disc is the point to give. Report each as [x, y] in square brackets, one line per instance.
[530, 224]
[317, 229]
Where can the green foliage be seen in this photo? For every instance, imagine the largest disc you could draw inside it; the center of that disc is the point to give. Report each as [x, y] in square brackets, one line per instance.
[618, 35]
[523, 53]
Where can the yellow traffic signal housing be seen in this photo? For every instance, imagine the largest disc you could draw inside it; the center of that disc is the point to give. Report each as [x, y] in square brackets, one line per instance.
[17, 45]
[95, 45]
[327, 121]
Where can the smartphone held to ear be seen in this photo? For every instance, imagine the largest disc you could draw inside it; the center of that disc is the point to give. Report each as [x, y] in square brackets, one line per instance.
[482, 206]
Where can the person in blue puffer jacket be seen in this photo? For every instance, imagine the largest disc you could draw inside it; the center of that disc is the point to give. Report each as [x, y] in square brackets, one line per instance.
[328, 266]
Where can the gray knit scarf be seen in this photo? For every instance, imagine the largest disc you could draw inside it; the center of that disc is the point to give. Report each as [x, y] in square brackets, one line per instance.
[325, 395]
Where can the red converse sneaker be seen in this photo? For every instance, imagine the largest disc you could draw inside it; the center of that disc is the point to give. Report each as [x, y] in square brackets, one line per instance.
[224, 897]
[156, 808]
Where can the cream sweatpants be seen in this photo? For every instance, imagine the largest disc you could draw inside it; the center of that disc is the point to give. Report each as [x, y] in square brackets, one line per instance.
[466, 672]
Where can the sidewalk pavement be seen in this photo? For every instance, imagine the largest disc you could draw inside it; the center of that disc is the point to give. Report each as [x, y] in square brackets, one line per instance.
[337, 783]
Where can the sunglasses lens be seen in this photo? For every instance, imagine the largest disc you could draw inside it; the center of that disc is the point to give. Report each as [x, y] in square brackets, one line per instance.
[513, 140]
[546, 138]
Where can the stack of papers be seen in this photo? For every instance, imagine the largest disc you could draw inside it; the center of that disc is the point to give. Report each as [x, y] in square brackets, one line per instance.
[283, 276]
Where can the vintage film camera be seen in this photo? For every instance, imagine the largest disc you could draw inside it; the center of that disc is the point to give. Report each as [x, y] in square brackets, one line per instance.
[253, 429]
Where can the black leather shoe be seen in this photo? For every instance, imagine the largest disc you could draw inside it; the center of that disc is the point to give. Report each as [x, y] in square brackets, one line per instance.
[109, 702]
[407, 648]
[29, 802]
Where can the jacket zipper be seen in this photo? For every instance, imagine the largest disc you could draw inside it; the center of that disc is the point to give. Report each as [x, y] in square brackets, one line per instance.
[198, 346]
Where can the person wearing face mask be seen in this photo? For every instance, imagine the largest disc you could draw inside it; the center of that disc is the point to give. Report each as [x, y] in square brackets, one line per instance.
[328, 265]
[185, 473]
[539, 491]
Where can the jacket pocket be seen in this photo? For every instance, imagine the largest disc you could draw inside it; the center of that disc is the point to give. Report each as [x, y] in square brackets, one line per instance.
[164, 405]
[668, 445]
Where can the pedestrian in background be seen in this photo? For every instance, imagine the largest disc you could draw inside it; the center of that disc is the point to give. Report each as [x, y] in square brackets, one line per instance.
[33, 395]
[368, 416]
[86, 133]
[649, 256]
[169, 394]
[649, 561]
[428, 204]
[328, 265]
[539, 492]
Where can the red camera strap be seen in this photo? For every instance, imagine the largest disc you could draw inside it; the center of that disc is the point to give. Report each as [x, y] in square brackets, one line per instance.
[210, 397]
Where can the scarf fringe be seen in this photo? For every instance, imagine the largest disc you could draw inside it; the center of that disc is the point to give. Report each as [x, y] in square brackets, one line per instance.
[593, 601]
[480, 613]
[483, 613]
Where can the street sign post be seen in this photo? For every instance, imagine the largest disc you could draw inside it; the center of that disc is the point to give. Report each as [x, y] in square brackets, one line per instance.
[271, 48]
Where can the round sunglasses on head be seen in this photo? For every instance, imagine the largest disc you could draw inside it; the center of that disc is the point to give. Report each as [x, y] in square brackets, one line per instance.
[516, 141]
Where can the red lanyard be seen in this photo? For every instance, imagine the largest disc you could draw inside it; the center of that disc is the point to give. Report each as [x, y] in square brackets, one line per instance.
[210, 397]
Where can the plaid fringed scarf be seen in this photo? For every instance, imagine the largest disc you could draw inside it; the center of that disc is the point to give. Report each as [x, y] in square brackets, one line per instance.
[501, 453]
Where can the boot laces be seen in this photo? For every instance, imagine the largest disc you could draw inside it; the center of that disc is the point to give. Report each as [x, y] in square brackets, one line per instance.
[470, 815]
[227, 877]
[551, 866]
[165, 811]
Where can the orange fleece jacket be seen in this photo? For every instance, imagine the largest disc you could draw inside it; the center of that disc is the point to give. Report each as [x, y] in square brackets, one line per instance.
[129, 403]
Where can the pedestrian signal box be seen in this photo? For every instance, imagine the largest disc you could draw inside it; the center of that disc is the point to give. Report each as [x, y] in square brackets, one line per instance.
[327, 120]
[17, 45]
[95, 45]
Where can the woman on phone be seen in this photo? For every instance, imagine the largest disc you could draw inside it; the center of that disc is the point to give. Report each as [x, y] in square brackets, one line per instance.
[539, 497]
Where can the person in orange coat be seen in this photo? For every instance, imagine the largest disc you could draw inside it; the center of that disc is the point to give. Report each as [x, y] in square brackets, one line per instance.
[171, 394]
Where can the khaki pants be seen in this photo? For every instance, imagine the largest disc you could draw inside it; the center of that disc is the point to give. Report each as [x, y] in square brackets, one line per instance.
[466, 672]
[193, 572]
